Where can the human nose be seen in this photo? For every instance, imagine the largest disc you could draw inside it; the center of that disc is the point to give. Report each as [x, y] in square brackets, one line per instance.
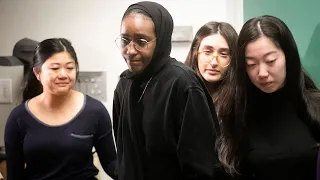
[214, 60]
[131, 49]
[263, 72]
[62, 73]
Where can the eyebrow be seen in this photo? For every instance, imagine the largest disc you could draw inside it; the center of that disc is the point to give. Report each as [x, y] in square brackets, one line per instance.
[271, 52]
[71, 62]
[137, 35]
[210, 47]
[142, 35]
[265, 55]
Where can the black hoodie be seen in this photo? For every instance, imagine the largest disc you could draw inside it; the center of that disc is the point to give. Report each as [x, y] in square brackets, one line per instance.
[163, 118]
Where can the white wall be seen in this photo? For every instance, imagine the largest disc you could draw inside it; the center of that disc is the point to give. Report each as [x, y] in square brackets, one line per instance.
[92, 26]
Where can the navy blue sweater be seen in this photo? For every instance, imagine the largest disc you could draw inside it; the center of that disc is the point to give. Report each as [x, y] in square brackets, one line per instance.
[38, 151]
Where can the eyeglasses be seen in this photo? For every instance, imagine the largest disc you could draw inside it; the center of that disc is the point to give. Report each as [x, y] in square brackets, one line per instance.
[139, 44]
[223, 60]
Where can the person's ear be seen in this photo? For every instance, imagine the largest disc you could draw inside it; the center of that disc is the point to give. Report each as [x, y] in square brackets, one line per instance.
[36, 73]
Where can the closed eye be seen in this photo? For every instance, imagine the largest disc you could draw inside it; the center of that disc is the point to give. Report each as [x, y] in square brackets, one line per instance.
[251, 65]
[141, 42]
[208, 52]
[224, 54]
[270, 62]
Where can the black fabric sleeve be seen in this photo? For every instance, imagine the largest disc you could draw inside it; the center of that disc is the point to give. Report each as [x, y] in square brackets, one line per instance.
[14, 149]
[115, 114]
[115, 117]
[104, 143]
[197, 137]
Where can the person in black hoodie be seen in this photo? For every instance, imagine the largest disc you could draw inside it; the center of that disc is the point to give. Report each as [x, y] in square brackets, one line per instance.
[164, 118]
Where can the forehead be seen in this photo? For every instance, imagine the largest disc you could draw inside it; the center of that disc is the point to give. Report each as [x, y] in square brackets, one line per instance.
[60, 58]
[260, 47]
[215, 40]
[136, 23]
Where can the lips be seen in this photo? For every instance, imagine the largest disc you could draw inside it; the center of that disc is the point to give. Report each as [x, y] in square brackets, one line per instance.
[213, 71]
[133, 60]
[264, 84]
[62, 84]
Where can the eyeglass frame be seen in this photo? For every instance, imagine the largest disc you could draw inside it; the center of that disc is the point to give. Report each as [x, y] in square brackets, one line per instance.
[217, 56]
[134, 43]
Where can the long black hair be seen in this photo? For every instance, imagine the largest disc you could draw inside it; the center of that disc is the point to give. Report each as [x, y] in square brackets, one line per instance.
[44, 50]
[299, 86]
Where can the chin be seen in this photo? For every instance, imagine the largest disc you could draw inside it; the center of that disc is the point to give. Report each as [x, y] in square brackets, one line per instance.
[269, 90]
[62, 93]
[135, 70]
[212, 79]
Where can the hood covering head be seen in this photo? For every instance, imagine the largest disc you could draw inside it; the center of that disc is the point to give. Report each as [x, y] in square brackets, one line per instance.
[163, 27]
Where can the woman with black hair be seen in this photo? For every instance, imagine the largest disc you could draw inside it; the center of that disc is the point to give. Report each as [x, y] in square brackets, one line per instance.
[274, 126]
[52, 133]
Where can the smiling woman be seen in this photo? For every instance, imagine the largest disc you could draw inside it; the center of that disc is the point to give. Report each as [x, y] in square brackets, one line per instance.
[58, 74]
[54, 130]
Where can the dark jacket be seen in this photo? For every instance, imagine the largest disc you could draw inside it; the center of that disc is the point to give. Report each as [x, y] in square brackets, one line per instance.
[169, 133]
[163, 117]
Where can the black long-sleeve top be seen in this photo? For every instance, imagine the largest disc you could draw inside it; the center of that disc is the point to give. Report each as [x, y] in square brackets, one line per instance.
[280, 145]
